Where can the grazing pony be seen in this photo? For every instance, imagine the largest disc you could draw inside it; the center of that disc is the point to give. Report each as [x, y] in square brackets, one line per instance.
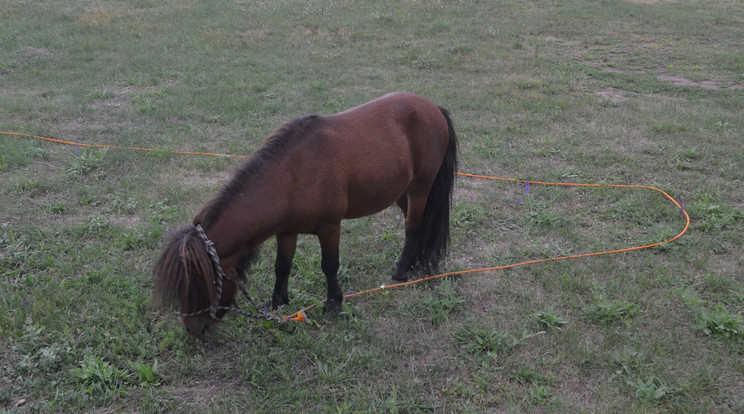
[306, 177]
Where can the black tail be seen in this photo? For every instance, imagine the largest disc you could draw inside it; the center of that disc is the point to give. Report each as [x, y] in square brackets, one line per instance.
[433, 239]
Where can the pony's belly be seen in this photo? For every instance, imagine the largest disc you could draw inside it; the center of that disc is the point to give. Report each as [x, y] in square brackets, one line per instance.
[368, 210]
[375, 195]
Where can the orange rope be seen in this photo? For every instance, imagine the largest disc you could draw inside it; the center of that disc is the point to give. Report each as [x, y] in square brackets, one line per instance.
[78, 144]
[300, 316]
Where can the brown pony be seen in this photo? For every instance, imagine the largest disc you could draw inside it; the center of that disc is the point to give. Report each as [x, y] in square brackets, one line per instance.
[307, 176]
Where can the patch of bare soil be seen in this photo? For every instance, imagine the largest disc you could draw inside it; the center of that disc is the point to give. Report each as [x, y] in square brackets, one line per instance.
[117, 103]
[680, 81]
[705, 84]
[612, 94]
[33, 53]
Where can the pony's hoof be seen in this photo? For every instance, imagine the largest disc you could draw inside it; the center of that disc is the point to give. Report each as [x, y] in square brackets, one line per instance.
[333, 306]
[276, 304]
[400, 277]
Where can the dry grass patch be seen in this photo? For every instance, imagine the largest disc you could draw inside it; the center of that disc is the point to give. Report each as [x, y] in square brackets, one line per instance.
[96, 16]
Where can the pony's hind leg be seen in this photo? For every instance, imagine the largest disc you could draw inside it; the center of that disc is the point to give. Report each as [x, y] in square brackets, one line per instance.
[414, 210]
[427, 222]
[286, 245]
[404, 264]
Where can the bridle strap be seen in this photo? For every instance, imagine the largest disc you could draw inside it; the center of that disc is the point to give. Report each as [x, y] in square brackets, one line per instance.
[262, 313]
[212, 252]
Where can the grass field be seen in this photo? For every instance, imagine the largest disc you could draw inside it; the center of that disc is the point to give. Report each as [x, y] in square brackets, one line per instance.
[617, 92]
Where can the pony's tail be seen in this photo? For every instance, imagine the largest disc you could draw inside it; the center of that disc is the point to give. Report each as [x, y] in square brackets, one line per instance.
[178, 269]
[434, 229]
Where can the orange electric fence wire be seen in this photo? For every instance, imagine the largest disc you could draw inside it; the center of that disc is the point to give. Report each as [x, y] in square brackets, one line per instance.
[78, 144]
[300, 316]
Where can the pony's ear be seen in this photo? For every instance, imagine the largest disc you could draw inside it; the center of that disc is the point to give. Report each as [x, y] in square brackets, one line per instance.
[198, 218]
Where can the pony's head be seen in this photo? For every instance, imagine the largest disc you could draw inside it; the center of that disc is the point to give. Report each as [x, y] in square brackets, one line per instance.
[185, 278]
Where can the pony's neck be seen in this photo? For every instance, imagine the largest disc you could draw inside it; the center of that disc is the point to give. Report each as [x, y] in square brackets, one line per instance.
[248, 219]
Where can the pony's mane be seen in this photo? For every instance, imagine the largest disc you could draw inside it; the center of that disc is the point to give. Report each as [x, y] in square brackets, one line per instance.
[272, 150]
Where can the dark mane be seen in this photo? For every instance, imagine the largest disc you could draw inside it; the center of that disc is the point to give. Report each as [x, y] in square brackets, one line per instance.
[272, 149]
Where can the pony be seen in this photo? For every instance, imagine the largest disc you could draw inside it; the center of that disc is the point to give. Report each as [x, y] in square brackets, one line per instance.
[307, 176]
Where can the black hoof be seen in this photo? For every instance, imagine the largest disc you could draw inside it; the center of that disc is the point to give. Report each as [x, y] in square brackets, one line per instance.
[276, 304]
[333, 306]
[400, 277]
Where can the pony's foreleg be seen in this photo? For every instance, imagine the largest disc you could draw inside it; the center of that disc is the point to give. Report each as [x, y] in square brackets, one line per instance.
[329, 239]
[286, 245]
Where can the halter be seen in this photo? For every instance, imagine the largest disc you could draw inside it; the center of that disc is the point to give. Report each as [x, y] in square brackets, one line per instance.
[262, 313]
[212, 252]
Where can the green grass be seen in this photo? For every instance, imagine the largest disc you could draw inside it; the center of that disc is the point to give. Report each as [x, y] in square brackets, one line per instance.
[624, 92]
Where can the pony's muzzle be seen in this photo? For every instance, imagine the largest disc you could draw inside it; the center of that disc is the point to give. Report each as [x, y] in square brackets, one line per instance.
[198, 325]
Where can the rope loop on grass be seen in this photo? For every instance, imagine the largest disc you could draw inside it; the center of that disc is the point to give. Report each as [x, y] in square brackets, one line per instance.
[300, 316]
[527, 184]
